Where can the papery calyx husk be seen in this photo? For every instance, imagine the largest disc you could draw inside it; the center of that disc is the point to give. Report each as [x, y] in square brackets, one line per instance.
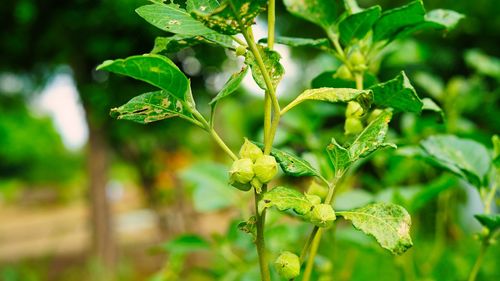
[265, 168]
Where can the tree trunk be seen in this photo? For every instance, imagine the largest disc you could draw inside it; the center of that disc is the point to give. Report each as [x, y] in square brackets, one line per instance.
[103, 238]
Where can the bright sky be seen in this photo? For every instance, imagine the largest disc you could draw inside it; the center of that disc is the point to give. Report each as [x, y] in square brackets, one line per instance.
[60, 101]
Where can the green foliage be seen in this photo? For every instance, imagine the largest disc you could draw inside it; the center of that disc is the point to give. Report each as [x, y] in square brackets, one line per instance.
[397, 93]
[284, 198]
[272, 63]
[156, 70]
[333, 95]
[492, 222]
[150, 107]
[465, 158]
[357, 25]
[231, 17]
[230, 86]
[388, 223]
[320, 12]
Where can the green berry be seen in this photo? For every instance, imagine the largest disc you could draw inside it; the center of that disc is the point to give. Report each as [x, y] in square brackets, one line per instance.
[322, 215]
[354, 109]
[343, 73]
[265, 168]
[241, 171]
[353, 126]
[250, 150]
[287, 265]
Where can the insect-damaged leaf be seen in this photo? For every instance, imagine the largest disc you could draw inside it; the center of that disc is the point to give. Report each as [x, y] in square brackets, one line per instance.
[230, 16]
[357, 25]
[339, 156]
[172, 18]
[178, 42]
[372, 137]
[492, 221]
[363, 97]
[156, 70]
[285, 198]
[321, 43]
[293, 165]
[320, 12]
[231, 85]
[388, 223]
[465, 158]
[396, 20]
[150, 107]
[272, 63]
[397, 93]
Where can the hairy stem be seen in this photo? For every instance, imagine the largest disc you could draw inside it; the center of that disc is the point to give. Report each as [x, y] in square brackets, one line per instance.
[271, 18]
[259, 241]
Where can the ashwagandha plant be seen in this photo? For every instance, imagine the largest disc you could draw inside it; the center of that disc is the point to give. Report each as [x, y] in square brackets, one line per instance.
[357, 38]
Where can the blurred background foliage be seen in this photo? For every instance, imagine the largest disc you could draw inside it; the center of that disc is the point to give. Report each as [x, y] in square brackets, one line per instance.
[159, 182]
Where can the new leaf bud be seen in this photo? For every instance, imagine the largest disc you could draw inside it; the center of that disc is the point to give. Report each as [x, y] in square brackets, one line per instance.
[241, 171]
[250, 150]
[241, 50]
[357, 58]
[265, 168]
[287, 265]
[322, 215]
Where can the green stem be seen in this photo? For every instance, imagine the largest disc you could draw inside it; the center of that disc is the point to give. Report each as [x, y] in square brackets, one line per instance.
[271, 18]
[248, 34]
[207, 127]
[479, 260]
[312, 255]
[259, 240]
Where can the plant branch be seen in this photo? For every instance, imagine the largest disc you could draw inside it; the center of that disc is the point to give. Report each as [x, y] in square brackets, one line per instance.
[312, 254]
[271, 17]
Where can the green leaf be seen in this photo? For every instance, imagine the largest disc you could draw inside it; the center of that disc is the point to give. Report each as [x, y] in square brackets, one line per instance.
[249, 227]
[186, 243]
[271, 61]
[339, 157]
[394, 21]
[202, 5]
[397, 93]
[465, 158]
[231, 85]
[388, 223]
[435, 19]
[443, 19]
[330, 80]
[321, 43]
[171, 18]
[150, 107]
[363, 97]
[482, 63]
[231, 15]
[174, 43]
[320, 12]
[156, 70]
[293, 165]
[496, 153]
[492, 221]
[178, 42]
[285, 198]
[372, 137]
[356, 26]
[429, 104]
